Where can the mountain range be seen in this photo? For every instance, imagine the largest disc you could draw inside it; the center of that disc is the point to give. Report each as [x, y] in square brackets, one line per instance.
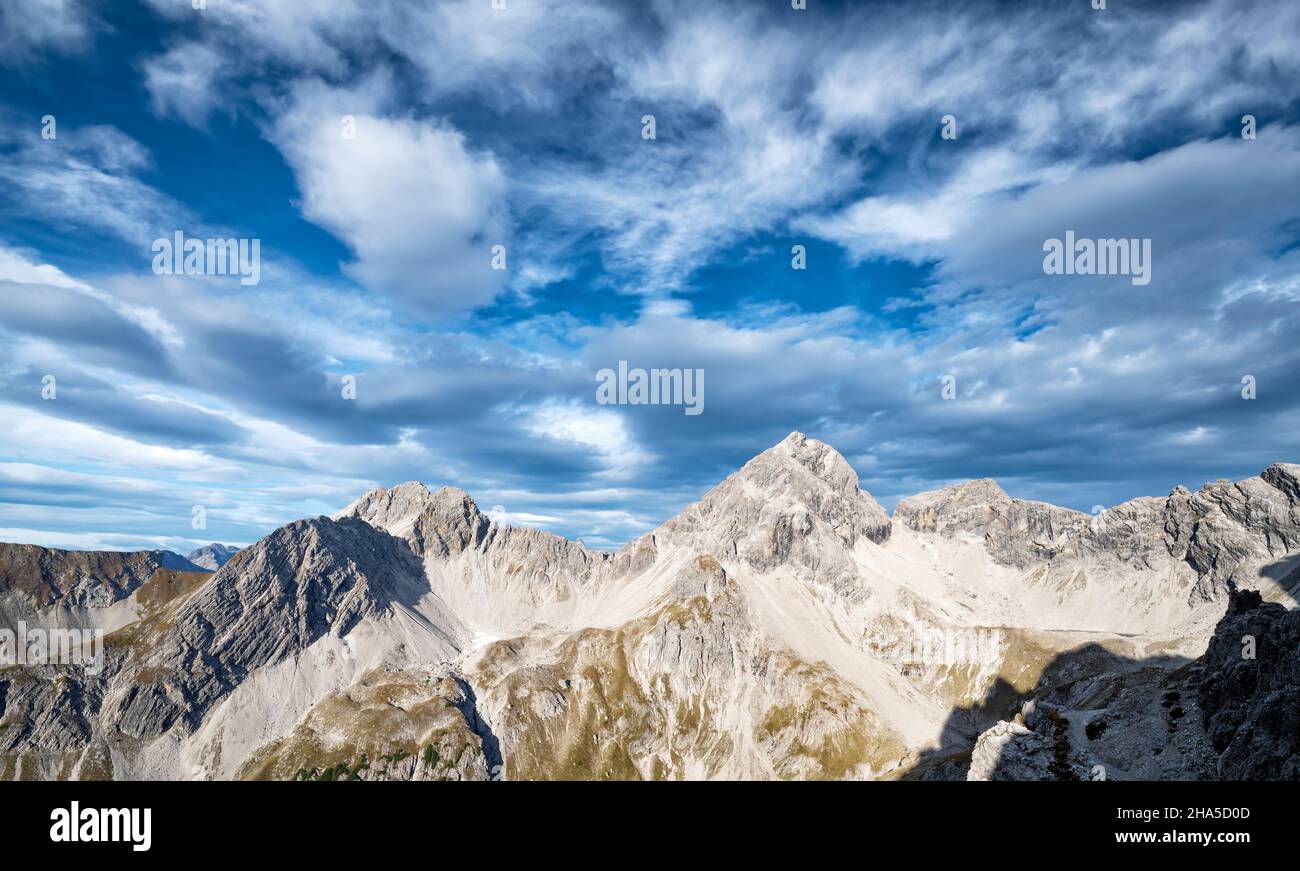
[785, 626]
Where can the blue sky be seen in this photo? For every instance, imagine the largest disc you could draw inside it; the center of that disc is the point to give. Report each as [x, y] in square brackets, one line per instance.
[522, 127]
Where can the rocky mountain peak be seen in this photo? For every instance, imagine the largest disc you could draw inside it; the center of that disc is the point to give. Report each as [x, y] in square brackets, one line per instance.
[1285, 477]
[963, 502]
[212, 556]
[796, 505]
[306, 580]
[800, 477]
[356, 569]
[807, 459]
[441, 521]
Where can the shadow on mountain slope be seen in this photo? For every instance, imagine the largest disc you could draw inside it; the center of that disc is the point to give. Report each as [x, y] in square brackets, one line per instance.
[1090, 670]
[1233, 713]
[951, 759]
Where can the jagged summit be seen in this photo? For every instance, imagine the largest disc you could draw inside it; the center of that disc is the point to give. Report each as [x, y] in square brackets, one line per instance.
[797, 510]
[403, 501]
[923, 510]
[445, 520]
[212, 556]
[797, 473]
[801, 472]
[797, 478]
[796, 505]
[817, 458]
[310, 580]
[1285, 477]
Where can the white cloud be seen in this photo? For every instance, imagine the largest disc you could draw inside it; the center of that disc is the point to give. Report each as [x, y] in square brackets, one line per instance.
[85, 178]
[29, 27]
[1216, 212]
[763, 119]
[186, 81]
[417, 204]
[505, 56]
[17, 268]
[33, 436]
[594, 429]
[918, 221]
[306, 35]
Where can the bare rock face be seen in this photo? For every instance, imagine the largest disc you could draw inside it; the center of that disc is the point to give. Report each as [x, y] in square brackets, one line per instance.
[1233, 713]
[306, 580]
[441, 523]
[1236, 528]
[1039, 744]
[1189, 546]
[498, 578]
[1011, 751]
[46, 576]
[1024, 534]
[796, 505]
[163, 674]
[690, 690]
[212, 556]
[43, 711]
[1250, 693]
[409, 724]
[1286, 478]
[1114, 719]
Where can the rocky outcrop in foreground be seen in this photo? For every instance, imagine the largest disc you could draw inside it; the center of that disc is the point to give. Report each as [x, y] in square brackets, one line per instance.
[1231, 714]
[1250, 691]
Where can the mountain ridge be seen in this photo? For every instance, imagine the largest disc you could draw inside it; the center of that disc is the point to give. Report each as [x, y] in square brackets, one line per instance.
[783, 625]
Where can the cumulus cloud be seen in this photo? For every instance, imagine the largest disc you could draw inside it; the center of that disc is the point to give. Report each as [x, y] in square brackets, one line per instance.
[419, 206]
